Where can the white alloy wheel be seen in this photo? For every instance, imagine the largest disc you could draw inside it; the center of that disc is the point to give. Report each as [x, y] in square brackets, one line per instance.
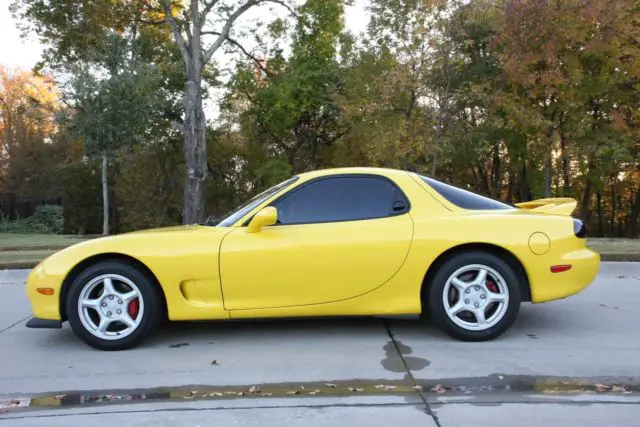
[475, 297]
[110, 307]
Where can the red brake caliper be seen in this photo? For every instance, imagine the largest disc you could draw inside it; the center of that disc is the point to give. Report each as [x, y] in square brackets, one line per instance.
[491, 285]
[133, 308]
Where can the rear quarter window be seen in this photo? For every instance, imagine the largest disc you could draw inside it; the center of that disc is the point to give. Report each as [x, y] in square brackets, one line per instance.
[463, 198]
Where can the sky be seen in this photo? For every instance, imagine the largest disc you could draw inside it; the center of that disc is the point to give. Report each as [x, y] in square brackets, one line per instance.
[24, 53]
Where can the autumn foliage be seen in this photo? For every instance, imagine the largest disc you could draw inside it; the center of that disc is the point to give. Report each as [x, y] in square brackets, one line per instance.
[516, 99]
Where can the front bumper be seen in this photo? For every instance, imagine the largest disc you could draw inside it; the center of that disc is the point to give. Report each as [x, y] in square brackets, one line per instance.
[44, 306]
[37, 323]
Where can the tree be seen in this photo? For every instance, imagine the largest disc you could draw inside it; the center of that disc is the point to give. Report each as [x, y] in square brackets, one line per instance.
[28, 105]
[115, 99]
[291, 103]
[190, 27]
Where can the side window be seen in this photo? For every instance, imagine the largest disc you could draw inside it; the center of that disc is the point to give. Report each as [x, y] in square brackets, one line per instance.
[342, 199]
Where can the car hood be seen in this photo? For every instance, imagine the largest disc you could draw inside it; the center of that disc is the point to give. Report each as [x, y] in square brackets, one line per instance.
[139, 244]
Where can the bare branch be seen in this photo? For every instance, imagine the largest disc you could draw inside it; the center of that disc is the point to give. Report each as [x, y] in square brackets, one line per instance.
[243, 50]
[224, 33]
[176, 31]
[208, 5]
[285, 5]
[227, 28]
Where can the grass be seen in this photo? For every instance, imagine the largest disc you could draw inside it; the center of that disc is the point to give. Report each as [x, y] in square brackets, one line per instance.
[26, 250]
[616, 249]
[23, 242]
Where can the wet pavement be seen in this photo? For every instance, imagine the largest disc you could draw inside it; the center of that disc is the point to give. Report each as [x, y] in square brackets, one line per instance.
[575, 361]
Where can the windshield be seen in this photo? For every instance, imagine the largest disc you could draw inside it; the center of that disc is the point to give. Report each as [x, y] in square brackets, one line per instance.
[232, 217]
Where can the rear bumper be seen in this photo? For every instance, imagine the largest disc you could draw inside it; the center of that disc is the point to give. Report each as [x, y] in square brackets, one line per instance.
[548, 286]
[37, 323]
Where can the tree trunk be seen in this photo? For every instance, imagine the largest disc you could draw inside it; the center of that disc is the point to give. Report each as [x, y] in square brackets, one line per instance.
[496, 179]
[585, 212]
[195, 150]
[566, 183]
[599, 210]
[524, 190]
[434, 165]
[632, 221]
[547, 175]
[105, 197]
[612, 224]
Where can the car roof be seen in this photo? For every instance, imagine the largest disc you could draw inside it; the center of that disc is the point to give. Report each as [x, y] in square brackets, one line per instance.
[351, 170]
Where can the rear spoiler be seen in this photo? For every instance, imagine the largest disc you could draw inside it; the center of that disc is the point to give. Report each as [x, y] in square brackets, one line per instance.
[553, 205]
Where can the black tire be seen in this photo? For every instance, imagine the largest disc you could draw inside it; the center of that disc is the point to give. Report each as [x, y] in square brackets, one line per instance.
[151, 316]
[436, 286]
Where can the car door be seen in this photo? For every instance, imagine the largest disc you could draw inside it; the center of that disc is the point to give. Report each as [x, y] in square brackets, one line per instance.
[337, 237]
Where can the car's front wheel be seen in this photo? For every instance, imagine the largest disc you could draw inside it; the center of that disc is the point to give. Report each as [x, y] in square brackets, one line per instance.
[474, 296]
[113, 306]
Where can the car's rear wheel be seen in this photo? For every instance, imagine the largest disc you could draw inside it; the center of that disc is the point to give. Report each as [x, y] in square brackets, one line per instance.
[113, 306]
[474, 296]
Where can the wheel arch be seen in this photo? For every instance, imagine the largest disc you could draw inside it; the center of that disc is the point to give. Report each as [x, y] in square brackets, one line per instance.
[506, 255]
[112, 256]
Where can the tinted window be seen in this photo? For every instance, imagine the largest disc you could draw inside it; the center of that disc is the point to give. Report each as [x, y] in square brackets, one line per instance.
[341, 199]
[465, 199]
[233, 216]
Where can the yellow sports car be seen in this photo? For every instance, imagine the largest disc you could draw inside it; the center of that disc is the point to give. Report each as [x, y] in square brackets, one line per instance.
[350, 241]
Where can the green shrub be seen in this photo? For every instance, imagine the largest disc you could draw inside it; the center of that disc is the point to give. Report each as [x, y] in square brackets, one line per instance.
[47, 219]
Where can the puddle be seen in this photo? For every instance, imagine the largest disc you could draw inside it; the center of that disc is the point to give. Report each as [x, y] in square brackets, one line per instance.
[494, 389]
[394, 362]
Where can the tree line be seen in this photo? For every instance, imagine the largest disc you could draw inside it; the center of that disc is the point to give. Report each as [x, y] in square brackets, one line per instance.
[515, 99]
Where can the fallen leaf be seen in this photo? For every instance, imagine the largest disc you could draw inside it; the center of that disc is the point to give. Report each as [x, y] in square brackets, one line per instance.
[228, 393]
[330, 385]
[293, 392]
[313, 393]
[356, 389]
[267, 394]
[240, 393]
[216, 394]
[617, 388]
[60, 396]
[254, 389]
[601, 388]
[439, 388]
[386, 387]
[603, 305]
[187, 397]
[500, 377]
[301, 387]
[417, 387]
[215, 363]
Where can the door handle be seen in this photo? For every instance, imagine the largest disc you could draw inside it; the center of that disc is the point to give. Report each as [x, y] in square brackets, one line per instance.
[399, 206]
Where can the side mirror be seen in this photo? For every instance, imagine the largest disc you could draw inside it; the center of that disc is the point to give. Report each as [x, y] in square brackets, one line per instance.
[267, 216]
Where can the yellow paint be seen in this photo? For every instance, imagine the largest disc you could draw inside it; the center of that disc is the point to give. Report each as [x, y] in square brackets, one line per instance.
[374, 266]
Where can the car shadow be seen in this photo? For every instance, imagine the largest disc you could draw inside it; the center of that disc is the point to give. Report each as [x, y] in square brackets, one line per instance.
[531, 320]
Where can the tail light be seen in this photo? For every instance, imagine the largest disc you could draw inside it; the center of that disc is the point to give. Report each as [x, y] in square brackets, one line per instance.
[579, 229]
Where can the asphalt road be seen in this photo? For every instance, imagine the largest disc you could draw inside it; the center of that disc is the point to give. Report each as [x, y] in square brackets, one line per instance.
[575, 362]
